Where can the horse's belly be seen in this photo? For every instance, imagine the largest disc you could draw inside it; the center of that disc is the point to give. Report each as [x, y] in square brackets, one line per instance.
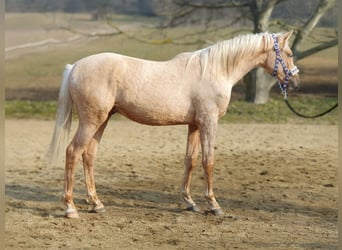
[155, 114]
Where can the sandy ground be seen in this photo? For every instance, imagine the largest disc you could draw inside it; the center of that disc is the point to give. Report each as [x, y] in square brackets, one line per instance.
[276, 184]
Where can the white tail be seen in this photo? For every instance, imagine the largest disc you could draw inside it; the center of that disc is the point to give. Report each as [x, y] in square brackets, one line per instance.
[63, 120]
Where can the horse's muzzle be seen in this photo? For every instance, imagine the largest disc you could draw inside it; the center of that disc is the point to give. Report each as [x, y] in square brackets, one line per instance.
[294, 83]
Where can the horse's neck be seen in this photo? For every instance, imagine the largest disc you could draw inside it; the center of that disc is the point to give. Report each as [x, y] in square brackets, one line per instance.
[244, 66]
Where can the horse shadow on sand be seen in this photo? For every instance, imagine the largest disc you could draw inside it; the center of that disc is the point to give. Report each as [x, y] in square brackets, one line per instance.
[45, 201]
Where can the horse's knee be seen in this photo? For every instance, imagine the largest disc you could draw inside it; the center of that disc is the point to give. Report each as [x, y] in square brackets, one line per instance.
[87, 158]
[190, 161]
[208, 162]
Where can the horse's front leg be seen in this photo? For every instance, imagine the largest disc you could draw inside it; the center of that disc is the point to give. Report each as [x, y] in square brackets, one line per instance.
[207, 135]
[190, 163]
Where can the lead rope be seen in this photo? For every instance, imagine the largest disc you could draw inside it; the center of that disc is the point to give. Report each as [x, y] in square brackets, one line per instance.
[308, 116]
[288, 73]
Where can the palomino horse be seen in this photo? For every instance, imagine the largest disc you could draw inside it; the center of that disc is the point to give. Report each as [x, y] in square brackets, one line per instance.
[193, 88]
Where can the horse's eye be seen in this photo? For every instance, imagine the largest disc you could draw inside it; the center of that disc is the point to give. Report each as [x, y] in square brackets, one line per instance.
[289, 54]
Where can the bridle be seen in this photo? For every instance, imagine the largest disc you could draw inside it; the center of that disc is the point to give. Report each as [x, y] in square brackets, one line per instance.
[288, 72]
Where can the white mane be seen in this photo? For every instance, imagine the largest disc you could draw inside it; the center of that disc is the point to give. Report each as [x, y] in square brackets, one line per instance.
[224, 56]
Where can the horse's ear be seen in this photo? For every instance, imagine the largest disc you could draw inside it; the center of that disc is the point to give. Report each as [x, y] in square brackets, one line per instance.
[284, 38]
[288, 35]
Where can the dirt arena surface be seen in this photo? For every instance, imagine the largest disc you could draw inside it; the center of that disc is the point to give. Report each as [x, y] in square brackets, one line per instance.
[276, 184]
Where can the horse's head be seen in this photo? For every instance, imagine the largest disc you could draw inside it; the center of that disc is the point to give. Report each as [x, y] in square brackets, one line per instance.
[279, 62]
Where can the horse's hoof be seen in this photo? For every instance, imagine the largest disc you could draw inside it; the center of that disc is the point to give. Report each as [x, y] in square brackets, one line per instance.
[72, 215]
[71, 212]
[98, 209]
[217, 211]
[193, 208]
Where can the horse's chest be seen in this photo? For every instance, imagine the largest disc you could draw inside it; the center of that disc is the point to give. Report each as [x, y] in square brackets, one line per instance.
[222, 102]
[222, 98]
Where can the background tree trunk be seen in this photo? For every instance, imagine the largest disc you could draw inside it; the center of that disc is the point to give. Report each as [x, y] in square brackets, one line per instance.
[258, 82]
[258, 86]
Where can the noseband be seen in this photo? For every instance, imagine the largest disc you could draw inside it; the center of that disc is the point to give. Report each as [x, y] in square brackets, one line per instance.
[288, 72]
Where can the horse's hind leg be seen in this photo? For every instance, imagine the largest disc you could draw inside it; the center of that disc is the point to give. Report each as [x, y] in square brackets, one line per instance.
[76, 148]
[190, 162]
[89, 156]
